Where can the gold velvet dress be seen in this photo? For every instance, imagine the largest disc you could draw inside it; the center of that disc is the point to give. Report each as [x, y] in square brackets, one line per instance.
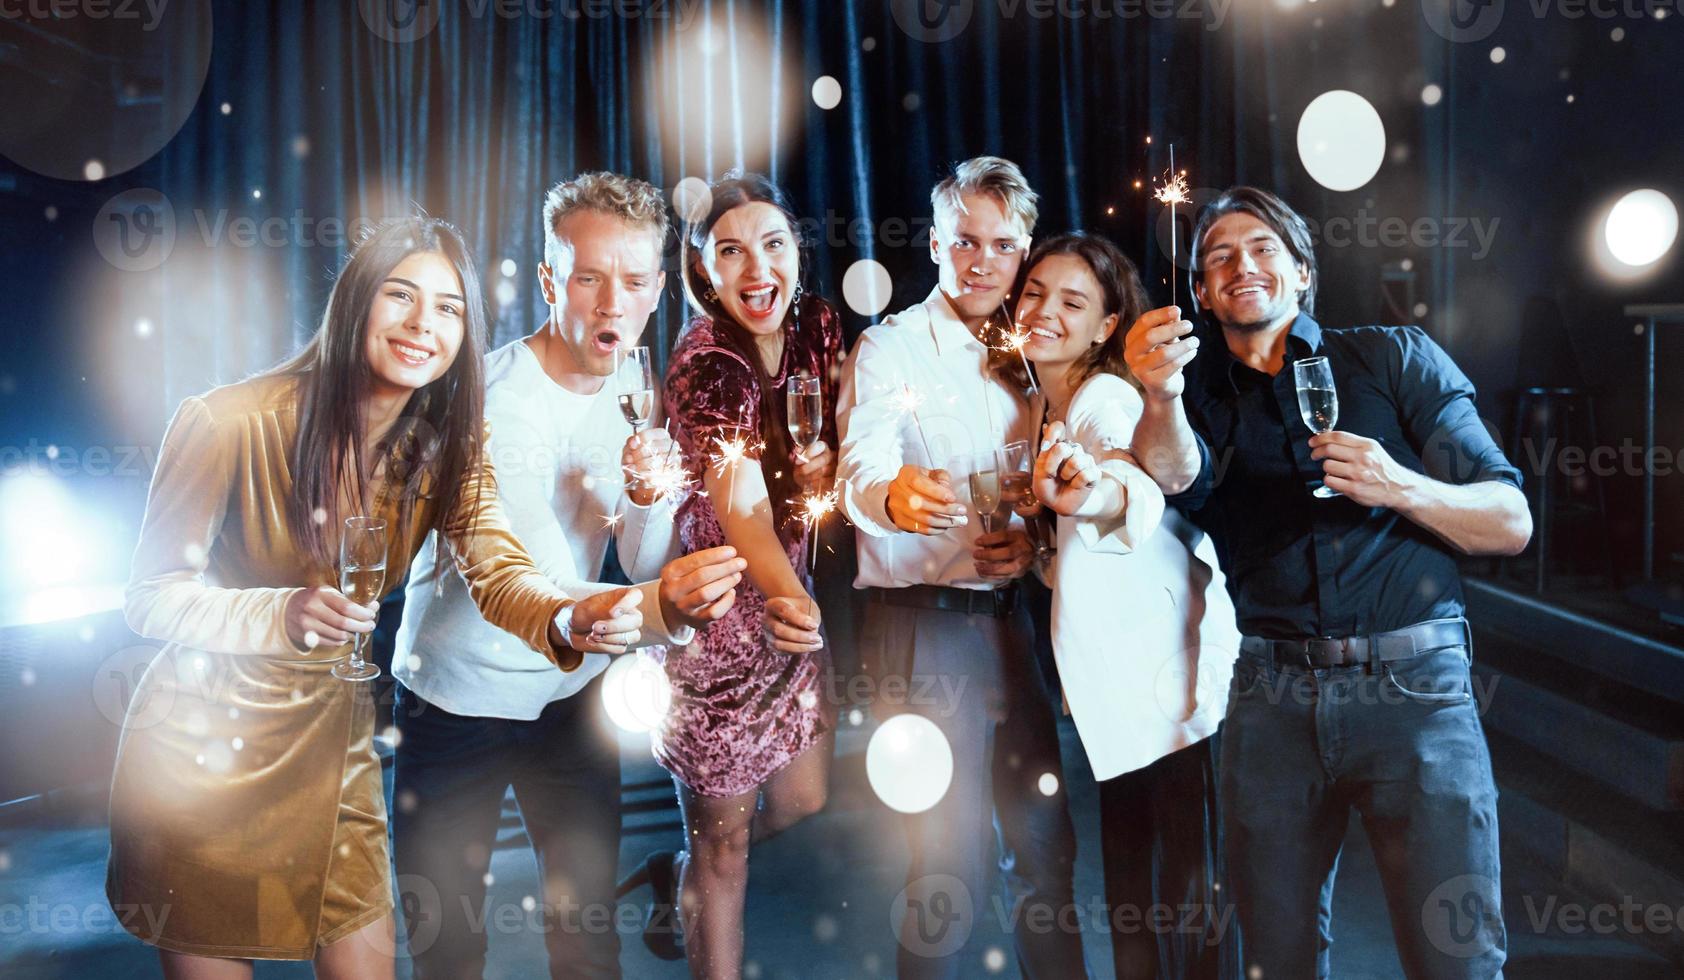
[248, 817]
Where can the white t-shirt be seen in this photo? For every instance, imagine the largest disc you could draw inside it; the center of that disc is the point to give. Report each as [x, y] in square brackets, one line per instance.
[557, 460]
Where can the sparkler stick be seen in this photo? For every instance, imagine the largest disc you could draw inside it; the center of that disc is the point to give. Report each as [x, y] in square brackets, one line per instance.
[668, 479]
[815, 507]
[1172, 191]
[731, 453]
[1013, 340]
[908, 402]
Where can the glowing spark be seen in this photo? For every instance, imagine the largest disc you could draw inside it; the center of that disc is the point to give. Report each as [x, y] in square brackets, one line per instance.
[612, 521]
[815, 507]
[1014, 340]
[1172, 191]
[669, 480]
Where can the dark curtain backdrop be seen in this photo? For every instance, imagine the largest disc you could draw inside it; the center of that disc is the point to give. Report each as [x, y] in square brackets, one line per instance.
[319, 112]
[472, 120]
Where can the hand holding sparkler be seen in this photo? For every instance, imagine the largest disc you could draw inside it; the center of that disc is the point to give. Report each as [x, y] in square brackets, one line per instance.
[923, 502]
[644, 452]
[701, 587]
[1156, 349]
[791, 624]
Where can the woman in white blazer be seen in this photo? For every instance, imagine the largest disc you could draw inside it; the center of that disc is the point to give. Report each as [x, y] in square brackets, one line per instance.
[1142, 627]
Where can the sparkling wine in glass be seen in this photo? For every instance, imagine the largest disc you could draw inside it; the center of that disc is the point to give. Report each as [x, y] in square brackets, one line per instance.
[1318, 402]
[985, 489]
[1017, 465]
[806, 409]
[636, 387]
[362, 575]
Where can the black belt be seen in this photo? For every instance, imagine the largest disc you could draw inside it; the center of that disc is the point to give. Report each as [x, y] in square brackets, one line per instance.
[999, 603]
[1326, 651]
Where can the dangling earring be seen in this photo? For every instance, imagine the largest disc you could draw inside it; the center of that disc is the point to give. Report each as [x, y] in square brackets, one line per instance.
[795, 302]
[709, 295]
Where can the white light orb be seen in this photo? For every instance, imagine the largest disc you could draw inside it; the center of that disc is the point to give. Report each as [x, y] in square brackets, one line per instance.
[1341, 140]
[636, 693]
[909, 763]
[691, 199]
[1641, 227]
[1432, 95]
[866, 287]
[508, 268]
[1047, 784]
[827, 92]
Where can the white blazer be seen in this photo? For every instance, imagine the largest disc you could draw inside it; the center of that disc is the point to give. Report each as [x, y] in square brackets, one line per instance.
[1143, 629]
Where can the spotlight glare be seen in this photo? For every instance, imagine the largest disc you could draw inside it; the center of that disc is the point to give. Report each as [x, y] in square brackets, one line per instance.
[1641, 227]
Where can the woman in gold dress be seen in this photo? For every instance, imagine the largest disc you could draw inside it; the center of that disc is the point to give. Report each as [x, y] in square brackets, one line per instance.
[247, 814]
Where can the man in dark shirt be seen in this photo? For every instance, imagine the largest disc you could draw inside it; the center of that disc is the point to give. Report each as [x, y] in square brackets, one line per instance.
[1352, 687]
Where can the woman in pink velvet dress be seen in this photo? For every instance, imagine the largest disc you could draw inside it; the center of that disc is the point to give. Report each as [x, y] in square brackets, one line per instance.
[749, 737]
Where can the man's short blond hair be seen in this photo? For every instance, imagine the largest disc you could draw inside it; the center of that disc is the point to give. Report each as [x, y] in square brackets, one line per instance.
[994, 176]
[637, 202]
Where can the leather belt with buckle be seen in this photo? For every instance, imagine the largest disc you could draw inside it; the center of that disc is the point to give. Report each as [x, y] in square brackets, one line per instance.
[1318, 652]
[999, 603]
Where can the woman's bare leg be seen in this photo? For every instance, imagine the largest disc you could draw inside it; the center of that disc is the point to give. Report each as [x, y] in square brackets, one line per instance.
[796, 791]
[713, 880]
[366, 954]
[181, 966]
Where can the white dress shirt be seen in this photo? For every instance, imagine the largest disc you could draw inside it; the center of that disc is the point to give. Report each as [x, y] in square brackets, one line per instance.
[964, 409]
[1143, 629]
[557, 459]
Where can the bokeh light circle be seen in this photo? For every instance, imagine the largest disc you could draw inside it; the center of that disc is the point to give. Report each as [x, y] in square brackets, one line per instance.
[909, 763]
[1641, 227]
[636, 693]
[866, 287]
[827, 92]
[1341, 140]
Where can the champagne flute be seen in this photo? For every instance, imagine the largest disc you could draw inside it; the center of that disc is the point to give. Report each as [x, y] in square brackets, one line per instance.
[636, 386]
[985, 489]
[1017, 467]
[1318, 403]
[805, 404]
[362, 574]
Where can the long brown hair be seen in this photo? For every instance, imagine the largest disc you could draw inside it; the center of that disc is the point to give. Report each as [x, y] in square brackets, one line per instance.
[437, 440]
[1120, 292]
[733, 192]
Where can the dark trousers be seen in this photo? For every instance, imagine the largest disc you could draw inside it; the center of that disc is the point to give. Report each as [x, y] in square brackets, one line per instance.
[1161, 839]
[975, 677]
[450, 777]
[1400, 743]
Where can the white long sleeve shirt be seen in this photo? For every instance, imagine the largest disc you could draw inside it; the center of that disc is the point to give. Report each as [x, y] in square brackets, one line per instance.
[963, 409]
[557, 458]
[1142, 627]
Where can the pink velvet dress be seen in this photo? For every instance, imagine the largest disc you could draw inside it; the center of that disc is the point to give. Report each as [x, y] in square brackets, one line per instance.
[742, 710]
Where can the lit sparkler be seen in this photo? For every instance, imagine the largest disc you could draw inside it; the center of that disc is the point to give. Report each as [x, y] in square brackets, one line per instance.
[669, 480]
[1172, 191]
[730, 453]
[1014, 340]
[815, 507]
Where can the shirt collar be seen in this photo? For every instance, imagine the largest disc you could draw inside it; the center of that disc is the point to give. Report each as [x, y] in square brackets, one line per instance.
[945, 326]
[1303, 339]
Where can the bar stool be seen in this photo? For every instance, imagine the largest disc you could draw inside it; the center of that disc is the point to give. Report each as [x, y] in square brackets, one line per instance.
[1548, 420]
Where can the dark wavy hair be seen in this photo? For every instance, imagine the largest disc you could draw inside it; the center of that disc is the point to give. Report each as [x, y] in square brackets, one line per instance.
[438, 439]
[734, 191]
[1287, 224]
[1120, 293]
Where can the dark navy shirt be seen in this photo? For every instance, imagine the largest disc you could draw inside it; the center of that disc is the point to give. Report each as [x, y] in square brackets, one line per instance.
[1301, 566]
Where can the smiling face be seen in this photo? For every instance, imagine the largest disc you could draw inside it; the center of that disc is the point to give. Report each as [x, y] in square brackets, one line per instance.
[752, 262]
[415, 323]
[1064, 311]
[1249, 281]
[605, 282]
[978, 252]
